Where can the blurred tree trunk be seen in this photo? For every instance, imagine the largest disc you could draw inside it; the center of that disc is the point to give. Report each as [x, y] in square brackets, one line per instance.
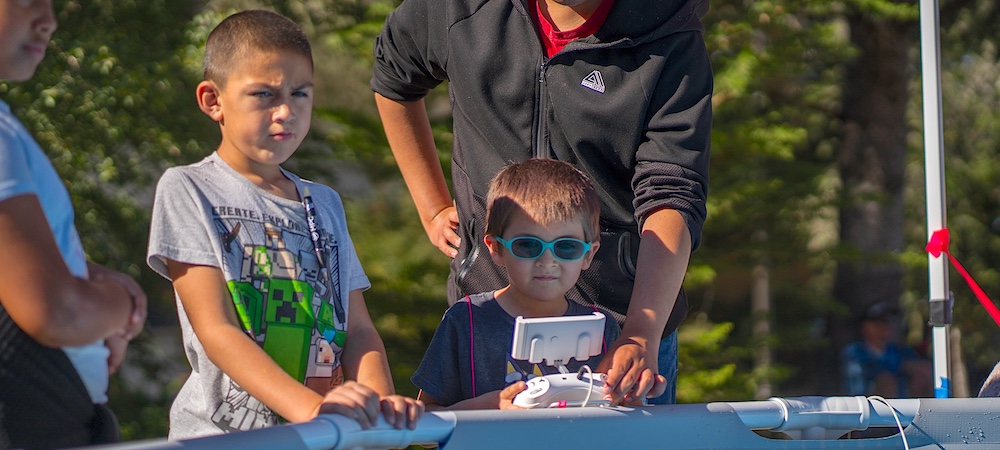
[760, 298]
[959, 375]
[871, 164]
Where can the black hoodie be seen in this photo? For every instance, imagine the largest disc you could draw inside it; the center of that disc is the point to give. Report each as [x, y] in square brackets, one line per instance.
[630, 106]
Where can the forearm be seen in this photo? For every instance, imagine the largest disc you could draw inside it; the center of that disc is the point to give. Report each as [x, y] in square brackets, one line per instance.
[73, 313]
[44, 299]
[364, 360]
[408, 131]
[230, 349]
[664, 252]
[209, 307]
[489, 400]
[93, 311]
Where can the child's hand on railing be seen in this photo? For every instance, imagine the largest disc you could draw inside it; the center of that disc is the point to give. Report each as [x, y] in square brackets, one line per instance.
[400, 411]
[352, 400]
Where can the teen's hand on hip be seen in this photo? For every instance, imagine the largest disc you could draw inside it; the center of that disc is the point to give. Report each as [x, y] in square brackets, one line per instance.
[441, 231]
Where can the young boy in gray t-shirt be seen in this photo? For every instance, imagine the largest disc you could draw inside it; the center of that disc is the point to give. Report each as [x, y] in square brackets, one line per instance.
[268, 285]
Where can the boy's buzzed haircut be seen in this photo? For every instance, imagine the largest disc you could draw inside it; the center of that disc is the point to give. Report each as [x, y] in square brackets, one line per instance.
[250, 31]
[547, 191]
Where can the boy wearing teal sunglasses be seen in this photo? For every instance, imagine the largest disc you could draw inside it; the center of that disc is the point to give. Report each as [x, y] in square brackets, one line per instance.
[542, 226]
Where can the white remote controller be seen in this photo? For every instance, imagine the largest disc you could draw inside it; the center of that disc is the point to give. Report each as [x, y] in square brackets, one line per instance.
[562, 390]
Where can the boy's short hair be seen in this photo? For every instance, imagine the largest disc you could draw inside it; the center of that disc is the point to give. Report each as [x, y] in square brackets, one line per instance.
[547, 191]
[242, 33]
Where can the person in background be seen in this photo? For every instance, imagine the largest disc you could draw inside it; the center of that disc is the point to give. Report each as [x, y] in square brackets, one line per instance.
[268, 285]
[878, 365]
[65, 322]
[620, 89]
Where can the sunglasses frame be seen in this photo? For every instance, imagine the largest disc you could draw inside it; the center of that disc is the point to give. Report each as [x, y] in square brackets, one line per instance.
[546, 245]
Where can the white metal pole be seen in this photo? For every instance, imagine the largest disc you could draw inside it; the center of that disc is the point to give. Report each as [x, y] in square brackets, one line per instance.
[938, 291]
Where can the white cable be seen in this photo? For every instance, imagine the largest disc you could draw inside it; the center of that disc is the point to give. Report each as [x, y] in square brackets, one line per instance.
[591, 377]
[906, 445]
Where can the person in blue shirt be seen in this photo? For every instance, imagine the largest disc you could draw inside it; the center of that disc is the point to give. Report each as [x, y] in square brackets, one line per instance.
[878, 365]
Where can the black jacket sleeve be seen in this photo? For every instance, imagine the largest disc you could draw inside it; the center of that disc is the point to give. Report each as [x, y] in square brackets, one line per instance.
[672, 162]
[411, 51]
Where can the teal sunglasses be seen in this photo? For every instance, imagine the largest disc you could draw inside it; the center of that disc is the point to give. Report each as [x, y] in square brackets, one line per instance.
[530, 247]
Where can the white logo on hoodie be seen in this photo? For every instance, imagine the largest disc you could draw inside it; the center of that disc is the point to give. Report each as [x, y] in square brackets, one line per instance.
[594, 81]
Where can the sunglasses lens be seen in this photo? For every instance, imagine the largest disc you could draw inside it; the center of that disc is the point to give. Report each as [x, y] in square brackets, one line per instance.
[568, 249]
[526, 247]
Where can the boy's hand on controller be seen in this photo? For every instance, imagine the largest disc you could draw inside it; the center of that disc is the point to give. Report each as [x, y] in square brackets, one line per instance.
[507, 395]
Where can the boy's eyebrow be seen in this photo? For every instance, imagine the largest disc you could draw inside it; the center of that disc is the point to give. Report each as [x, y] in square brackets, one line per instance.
[259, 85]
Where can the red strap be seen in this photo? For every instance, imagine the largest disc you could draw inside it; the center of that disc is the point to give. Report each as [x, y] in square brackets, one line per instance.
[938, 245]
[472, 346]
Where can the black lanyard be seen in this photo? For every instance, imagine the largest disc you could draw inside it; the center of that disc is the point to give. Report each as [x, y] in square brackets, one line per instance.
[312, 223]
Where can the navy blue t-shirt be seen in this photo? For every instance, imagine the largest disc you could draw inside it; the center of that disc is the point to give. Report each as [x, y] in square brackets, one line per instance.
[456, 356]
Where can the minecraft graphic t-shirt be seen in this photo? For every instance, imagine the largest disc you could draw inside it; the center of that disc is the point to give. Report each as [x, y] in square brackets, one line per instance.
[288, 300]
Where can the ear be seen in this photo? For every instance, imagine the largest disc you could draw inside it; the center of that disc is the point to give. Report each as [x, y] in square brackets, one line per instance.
[208, 94]
[495, 249]
[589, 257]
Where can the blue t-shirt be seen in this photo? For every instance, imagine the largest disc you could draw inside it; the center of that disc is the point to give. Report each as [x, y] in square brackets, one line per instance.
[477, 348]
[24, 169]
[861, 365]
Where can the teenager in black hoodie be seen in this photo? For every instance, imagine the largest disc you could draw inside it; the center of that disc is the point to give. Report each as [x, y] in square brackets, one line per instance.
[621, 89]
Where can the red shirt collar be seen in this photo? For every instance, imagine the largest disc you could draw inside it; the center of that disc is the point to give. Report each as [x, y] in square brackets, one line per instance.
[554, 40]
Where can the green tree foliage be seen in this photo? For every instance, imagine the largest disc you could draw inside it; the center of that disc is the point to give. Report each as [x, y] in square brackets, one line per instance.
[803, 91]
[771, 192]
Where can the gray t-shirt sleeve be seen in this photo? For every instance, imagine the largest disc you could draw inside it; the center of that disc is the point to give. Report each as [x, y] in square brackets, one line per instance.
[178, 229]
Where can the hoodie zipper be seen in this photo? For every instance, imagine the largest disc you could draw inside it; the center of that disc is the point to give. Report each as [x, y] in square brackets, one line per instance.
[541, 131]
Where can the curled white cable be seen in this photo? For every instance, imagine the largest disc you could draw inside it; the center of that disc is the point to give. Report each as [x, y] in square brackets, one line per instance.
[591, 378]
[906, 445]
